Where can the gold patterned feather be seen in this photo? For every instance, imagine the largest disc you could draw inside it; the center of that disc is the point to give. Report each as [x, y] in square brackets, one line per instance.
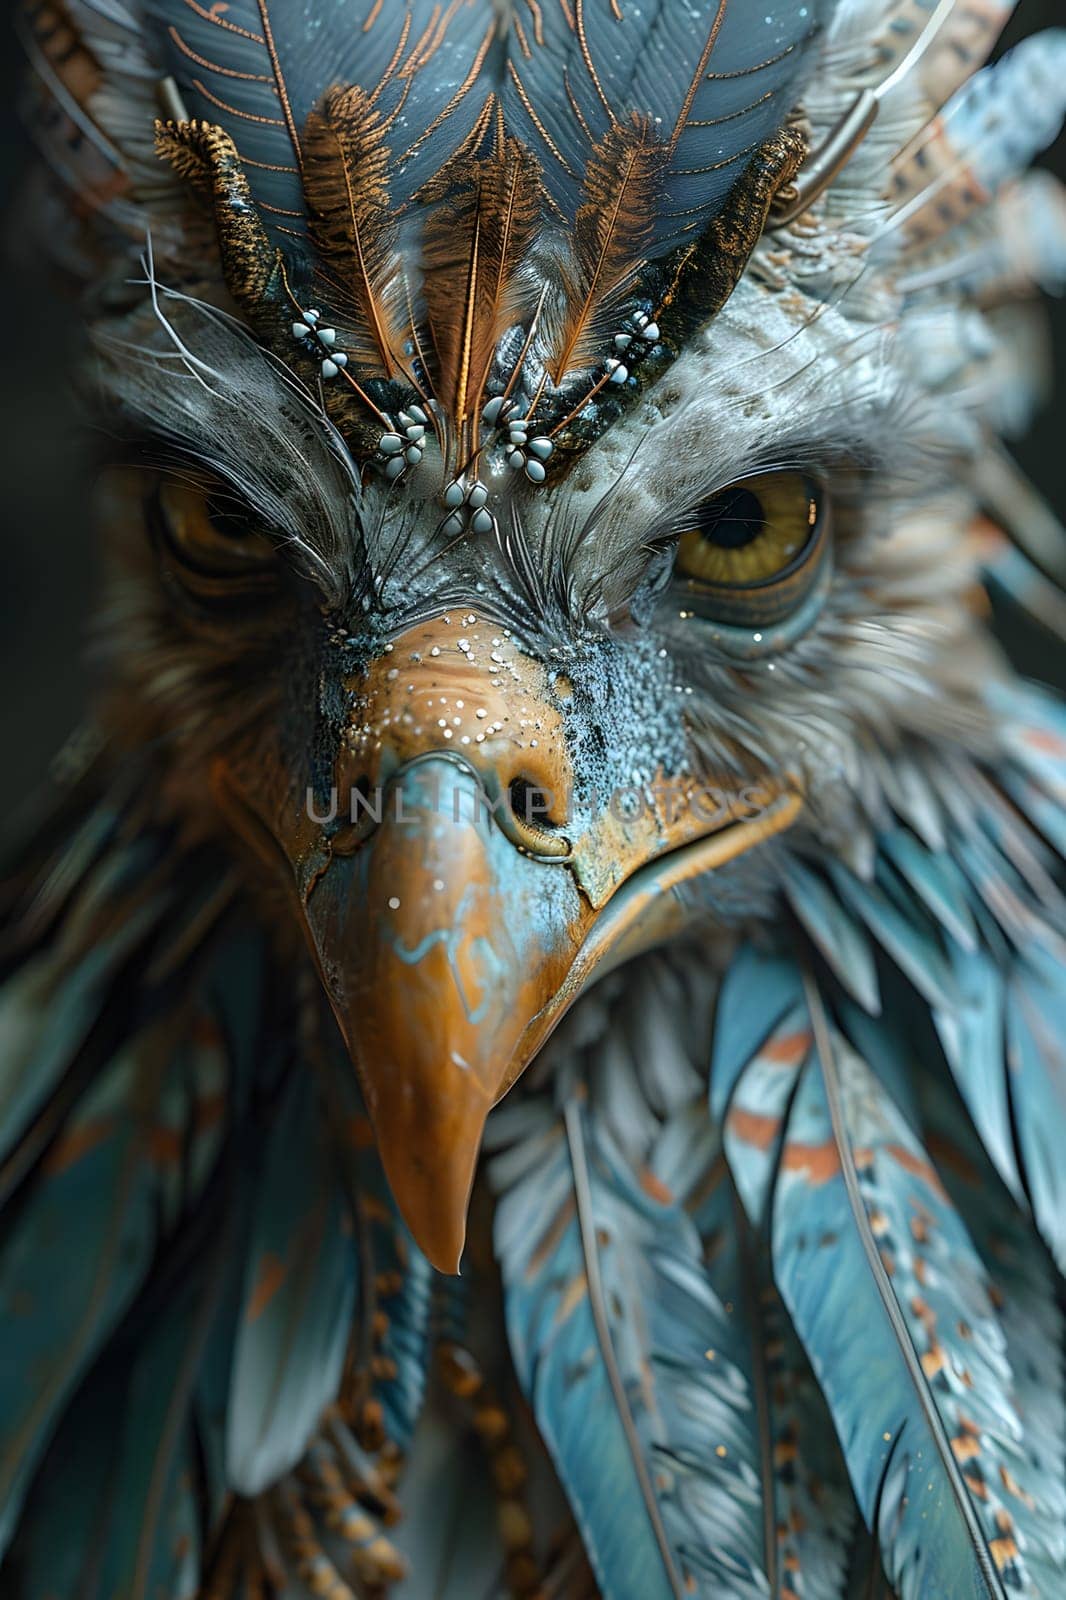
[611, 230]
[345, 177]
[483, 220]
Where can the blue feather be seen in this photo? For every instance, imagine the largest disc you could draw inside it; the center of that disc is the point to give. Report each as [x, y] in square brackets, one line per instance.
[298, 1301]
[762, 1040]
[900, 927]
[258, 69]
[864, 1235]
[1004, 1046]
[1024, 1286]
[397, 1282]
[715, 81]
[834, 932]
[808, 1509]
[94, 1209]
[610, 1315]
[936, 880]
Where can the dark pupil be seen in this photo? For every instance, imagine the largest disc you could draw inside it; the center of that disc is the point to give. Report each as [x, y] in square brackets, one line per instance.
[227, 518]
[732, 520]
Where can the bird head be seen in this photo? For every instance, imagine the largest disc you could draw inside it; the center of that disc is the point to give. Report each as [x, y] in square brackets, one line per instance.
[521, 575]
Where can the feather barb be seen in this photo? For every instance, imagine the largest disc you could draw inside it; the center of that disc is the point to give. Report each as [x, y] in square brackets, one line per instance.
[478, 233]
[612, 228]
[346, 182]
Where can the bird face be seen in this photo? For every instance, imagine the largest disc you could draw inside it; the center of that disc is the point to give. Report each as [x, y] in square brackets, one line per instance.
[485, 768]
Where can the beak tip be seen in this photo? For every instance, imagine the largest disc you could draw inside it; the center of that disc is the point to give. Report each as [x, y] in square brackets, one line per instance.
[441, 1241]
[433, 1193]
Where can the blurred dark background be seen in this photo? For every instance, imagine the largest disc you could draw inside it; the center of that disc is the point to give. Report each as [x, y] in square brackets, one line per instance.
[48, 577]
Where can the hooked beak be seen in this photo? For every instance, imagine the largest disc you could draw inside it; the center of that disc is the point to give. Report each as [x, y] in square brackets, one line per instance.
[451, 935]
[439, 948]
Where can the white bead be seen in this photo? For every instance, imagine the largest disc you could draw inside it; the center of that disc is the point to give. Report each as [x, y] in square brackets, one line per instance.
[620, 373]
[477, 497]
[454, 495]
[311, 316]
[482, 521]
[415, 432]
[651, 332]
[394, 467]
[491, 414]
[412, 455]
[541, 448]
[516, 459]
[300, 330]
[519, 435]
[340, 358]
[535, 471]
[390, 443]
[329, 368]
[453, 523]
[328, 336]
[419, 415]
[622, 341]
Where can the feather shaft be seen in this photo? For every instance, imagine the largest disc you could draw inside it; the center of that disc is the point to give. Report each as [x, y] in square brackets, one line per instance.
[879, 1276]
[611, 230]
[587, 1228]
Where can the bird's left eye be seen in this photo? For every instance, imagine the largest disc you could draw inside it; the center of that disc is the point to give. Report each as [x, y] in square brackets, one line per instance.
[208, 546]
[753, 551]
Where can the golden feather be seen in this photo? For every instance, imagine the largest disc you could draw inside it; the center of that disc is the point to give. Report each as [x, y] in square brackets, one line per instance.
[346, 182]
[483, 220]
[611, 230]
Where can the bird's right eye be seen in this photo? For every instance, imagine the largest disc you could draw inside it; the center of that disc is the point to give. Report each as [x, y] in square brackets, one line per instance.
[754, 551]
[210, 549]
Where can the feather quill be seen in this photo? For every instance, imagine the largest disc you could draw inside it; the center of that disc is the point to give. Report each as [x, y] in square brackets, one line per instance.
[610, 1314]
[478, 232]
[922, 1407]
[612, 230]
[346, 181]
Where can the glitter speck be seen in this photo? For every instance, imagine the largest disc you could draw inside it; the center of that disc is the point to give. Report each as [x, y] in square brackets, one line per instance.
[394, 903]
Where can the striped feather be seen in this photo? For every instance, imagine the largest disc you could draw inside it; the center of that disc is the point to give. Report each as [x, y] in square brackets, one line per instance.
[610, 1314]
[484, 219]
[346, 182]
[808, 1510]
[987, 134]
[864, 1235]
[1025, 1292]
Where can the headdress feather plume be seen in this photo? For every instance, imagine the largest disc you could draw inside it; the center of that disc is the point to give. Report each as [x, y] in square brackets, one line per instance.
[346, 182]
[612, 228]
[476, 239]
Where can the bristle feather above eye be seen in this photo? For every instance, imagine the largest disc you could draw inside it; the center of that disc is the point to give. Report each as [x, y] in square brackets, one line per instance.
[347, 185]
[481, 226]
[612, 228]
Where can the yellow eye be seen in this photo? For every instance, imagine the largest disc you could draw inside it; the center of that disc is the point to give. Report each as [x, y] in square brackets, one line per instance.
[215, 553]
[755, 548]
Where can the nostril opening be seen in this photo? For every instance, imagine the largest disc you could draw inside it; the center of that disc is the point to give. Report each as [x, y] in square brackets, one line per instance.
[534, 829]
[530, 803]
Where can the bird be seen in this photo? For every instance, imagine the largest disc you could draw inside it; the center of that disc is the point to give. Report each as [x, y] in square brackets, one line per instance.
[533, 1008]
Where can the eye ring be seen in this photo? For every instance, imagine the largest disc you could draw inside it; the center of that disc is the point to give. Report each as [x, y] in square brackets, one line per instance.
[785, 519]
